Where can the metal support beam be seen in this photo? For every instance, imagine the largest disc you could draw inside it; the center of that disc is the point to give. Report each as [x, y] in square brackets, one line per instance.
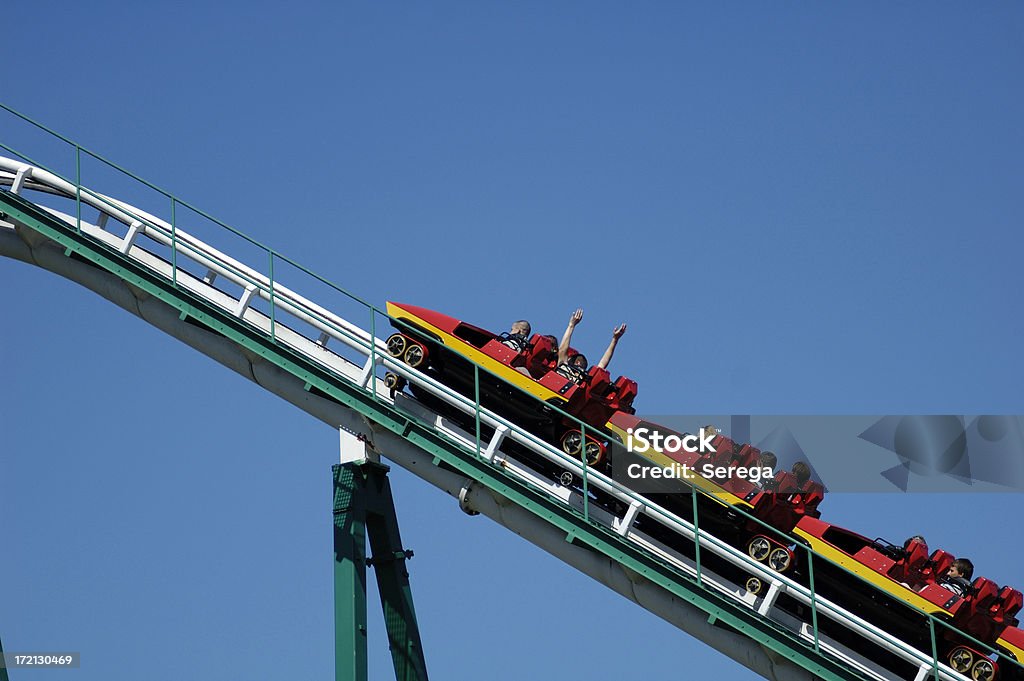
[363, 504]
[349, 578]
[3, 667]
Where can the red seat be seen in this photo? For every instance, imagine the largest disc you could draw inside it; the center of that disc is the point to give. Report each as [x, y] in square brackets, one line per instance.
[788, 504]
[811, 500]
[974, 616]
[725, 456]
[815, 494]
[1006, 606]
[806, 503]
[785, 483]
[908, 568]
[985, 592]
[720, 457]
[598, 383]
[805, 499]
[588, 402]
[541, 355]
[936, 565]
[622, 394]
[710, 457]
[747, 456]
[813, 487]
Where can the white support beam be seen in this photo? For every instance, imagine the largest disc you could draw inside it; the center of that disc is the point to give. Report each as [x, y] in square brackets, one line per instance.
[243, 302]
[24, 173]
[774, 591]
[353, 447]
[129, 238]
[923, 671]
[492, 447]
[623, 526]
[364, 378]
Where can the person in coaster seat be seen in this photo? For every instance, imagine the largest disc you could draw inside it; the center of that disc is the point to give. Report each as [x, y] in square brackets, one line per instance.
[517, 336]
[765, 460]
[958, 577]
[575, 367]
[802, 472]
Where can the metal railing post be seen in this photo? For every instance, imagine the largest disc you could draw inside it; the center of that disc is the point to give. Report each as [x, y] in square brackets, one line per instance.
[273, 321]
[696, 534]
[814, 600]
[476, 387]
[78, 188]
[174, 242]
[373, 351]
[935, 647]
[583, 453]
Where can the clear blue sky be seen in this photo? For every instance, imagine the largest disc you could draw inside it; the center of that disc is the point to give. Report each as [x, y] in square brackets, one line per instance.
[801, 208]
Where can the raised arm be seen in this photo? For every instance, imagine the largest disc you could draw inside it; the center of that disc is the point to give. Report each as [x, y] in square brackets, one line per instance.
[616, 335]
[563, 347]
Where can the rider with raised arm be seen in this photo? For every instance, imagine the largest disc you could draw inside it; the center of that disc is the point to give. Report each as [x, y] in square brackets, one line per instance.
[574, 367]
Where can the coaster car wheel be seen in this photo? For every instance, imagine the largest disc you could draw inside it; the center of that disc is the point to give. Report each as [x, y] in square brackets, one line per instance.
[754, 585]
[397, 344]
[758, 548]
[571, 442]
[983, 670]
[394, 381]
[415, 355]
[961, 659]
[780, 559]
[595, 453]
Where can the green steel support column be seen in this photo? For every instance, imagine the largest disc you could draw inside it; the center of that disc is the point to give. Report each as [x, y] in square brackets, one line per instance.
[349, 577]
[3, 667]
[363, 505]
[388, 563]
